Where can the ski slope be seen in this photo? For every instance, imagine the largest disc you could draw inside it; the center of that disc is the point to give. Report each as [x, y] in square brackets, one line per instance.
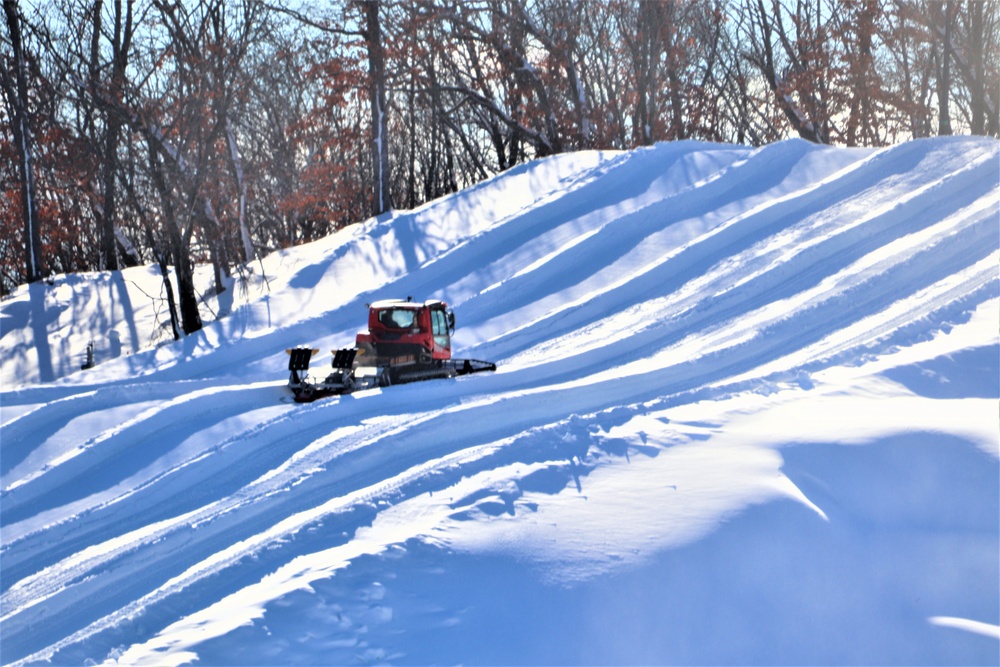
[745, 412]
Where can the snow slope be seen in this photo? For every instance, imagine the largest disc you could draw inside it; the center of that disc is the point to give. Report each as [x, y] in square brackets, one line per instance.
[745, 412]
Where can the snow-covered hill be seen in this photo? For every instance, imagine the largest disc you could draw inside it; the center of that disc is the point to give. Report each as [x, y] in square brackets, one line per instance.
[745, 412]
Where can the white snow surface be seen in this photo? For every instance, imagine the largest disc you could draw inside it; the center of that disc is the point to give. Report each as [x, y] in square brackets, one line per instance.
[745, 412]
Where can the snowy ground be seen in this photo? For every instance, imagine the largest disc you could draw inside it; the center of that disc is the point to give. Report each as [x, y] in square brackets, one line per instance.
[746, 411]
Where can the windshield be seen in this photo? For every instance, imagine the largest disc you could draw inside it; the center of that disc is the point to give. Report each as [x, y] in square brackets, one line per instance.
[397, 318]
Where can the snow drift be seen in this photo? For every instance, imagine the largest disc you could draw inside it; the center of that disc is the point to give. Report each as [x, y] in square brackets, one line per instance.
[745, 411]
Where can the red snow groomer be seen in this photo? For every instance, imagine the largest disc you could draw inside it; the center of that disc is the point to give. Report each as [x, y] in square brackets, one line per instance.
[405, 342]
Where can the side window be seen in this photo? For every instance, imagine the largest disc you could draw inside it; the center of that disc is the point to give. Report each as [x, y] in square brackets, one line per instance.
[439, 327]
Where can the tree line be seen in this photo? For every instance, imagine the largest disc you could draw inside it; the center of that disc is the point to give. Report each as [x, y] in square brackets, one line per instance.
[179, 132]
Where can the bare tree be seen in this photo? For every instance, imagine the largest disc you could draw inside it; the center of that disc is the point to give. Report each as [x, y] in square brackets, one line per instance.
[942, 19]
[969, 33]
[121, 39]
[795, 65]
[14, 83]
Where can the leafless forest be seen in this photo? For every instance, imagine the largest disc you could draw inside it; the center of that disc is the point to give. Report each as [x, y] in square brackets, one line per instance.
[177, 132]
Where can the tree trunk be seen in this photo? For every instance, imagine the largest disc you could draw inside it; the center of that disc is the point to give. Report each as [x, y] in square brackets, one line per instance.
[381, 199]
[161, 261]
[236, 166]
[190, 317]
[944, 72]
[977, 88]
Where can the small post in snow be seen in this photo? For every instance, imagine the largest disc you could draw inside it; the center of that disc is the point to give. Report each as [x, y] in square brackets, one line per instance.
[89, 362]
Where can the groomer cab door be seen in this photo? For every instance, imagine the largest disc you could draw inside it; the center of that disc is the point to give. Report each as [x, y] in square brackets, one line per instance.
[442, 324]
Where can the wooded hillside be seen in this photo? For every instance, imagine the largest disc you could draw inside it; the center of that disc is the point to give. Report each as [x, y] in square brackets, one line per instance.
[219, 130]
